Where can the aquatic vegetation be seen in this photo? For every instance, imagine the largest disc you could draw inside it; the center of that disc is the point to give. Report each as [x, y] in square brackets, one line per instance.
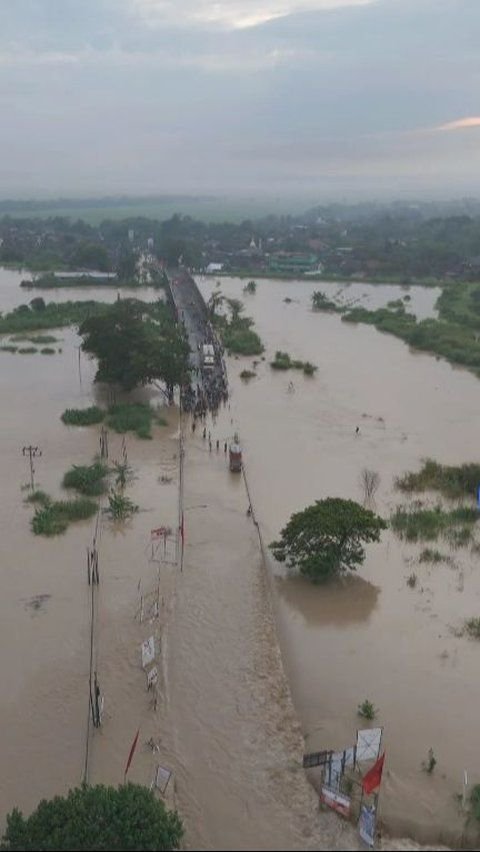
[120, 507]
[38, 496]
[472, 627]
[412, 580]
[47, 350]
[53, 315]
[367, 710]
[251, 287]
[132, 417]
[321, 302]
[83, 416]
[53, 517]
[452, 481]
[431, 555]
[87, 479]
[7, 347]
[283, 361]
[247, 374]
[430, 763]
[416, 523]
[27, 350]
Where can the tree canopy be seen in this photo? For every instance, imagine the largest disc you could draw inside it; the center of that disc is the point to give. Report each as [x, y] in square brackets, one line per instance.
[327, 538]
[99, 817]
[136, 343]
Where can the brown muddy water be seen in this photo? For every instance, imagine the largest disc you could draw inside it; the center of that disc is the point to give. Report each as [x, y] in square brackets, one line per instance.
[372, 636]
[225, 723]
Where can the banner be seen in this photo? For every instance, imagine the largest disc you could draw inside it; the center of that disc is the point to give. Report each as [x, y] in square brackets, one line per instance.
[368, 743]
[373, 778]
[131, 753]
[337, 801]
[367, 823]
[148, 651]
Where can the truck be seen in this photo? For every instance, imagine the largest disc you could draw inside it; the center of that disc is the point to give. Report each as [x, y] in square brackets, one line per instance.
[208, 356]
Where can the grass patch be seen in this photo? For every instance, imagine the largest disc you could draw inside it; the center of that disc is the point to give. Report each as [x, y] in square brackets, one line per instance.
[38, 496]
[247, 374]
[452, 481]
[132, 417]
[414, 523]
[53, 517]
[27, 350]
[47, 350]
[83, 416]
[8, 348]
[432, 556]
[87, 479]
[283, 361]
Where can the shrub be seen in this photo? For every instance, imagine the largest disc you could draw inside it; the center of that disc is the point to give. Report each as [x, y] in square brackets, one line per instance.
[47, 350]
[247, 374]
[53, 518]
[7, 347]
[87, 479]
[131, 417]
[367, 710]
[83, 416]
[120, 507]
[27, 350]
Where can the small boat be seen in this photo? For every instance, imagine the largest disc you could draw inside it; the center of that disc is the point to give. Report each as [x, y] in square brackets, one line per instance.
[235, 455]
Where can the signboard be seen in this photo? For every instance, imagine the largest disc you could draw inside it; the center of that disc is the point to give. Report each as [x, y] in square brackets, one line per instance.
[316, 758]
[161, 778]
[366, 824]
[148, 651]
[337, 801]
[368, 743]
[160, 532]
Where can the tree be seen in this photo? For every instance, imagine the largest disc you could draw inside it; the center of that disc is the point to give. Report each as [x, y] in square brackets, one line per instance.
[135, 344]
[326, 538]
[98, 817]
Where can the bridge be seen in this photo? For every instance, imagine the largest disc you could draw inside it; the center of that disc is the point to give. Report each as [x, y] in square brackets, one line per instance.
[209, 387]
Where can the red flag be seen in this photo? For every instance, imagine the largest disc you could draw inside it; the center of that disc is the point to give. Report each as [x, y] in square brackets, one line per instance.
[132, 751]
[373, 777]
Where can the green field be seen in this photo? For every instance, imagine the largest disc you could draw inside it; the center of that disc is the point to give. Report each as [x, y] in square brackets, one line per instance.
[207, 209]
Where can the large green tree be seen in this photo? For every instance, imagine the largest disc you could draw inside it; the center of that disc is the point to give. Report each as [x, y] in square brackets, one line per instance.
[130, 817]
[136, 343]
[327, 538]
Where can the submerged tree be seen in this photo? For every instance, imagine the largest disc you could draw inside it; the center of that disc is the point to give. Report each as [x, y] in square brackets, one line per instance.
[136, 344]
[99, 817]
[327, 538]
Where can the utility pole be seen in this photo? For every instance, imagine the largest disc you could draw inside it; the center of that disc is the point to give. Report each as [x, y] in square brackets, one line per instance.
[32, 453]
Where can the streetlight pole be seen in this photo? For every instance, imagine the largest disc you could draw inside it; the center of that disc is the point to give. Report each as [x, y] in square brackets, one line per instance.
[32, 453]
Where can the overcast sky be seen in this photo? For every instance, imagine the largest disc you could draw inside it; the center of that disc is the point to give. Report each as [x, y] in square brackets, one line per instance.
[338, 98]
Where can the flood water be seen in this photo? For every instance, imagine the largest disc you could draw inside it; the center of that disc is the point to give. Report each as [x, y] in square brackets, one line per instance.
[225, 723]
[371, 636]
